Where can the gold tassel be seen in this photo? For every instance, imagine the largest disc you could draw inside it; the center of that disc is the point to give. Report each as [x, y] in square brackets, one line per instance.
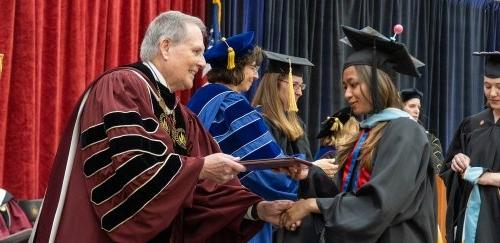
[292, 103]
[219, 5]
[337, 125]
[230, 56]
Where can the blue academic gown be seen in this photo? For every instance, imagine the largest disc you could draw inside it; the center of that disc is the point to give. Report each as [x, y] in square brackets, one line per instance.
[240, 130]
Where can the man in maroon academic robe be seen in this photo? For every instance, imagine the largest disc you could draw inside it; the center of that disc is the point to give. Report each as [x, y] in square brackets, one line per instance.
[135, 165]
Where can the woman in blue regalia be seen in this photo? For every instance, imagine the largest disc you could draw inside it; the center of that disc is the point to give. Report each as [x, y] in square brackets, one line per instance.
[237, 127]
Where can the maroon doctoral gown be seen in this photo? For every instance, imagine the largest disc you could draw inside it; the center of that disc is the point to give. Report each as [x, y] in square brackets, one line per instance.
[118, 175]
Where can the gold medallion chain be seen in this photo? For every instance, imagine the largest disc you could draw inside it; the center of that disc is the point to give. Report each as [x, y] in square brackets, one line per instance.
[168, 122]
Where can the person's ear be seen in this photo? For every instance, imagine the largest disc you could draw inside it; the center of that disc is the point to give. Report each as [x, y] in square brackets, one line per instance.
[165, 45]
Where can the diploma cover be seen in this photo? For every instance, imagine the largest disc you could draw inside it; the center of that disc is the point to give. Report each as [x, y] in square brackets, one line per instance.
[262, 164]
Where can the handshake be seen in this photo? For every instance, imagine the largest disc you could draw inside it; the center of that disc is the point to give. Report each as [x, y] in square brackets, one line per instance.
[221, 168]
[286, 213]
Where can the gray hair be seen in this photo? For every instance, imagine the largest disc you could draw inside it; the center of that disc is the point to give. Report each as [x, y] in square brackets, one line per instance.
[168, 25]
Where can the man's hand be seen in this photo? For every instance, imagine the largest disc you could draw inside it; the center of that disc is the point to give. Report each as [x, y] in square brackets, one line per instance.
[300, 209]
[220, 168]
[328, 166]
[270, 211]
[460, 162]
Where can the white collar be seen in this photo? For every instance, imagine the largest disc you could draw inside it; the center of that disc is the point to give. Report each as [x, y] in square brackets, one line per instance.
[156, 73]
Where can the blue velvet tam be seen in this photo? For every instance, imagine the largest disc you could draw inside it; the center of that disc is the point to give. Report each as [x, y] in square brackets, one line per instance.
[242, 44]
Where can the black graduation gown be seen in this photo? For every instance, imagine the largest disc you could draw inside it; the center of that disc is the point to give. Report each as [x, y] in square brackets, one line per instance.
[396, 205]
[300, 146]
[479, 138]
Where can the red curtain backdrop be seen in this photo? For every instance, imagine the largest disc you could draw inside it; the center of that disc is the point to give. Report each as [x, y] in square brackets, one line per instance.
[53, 50]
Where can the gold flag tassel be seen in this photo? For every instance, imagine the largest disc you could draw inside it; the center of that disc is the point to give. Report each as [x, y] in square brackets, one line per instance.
[230, 56]
[292, 103]
[219, 11]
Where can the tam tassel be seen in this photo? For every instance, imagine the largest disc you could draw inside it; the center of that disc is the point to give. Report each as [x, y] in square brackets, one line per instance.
[230, 56]
[230, 59]
[292, 103]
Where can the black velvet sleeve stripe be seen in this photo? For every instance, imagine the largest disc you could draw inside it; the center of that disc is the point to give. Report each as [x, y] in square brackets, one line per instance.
[93, 135]
[123, 175]
[97, 162]
[143, 195]
[136, 142]
[116, 119]
[122, 119]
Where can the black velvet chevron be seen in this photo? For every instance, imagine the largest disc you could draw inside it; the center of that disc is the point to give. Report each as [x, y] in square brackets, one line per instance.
[93, 135]
[120, 145]
[137, 200]
[96, 162]
[113, 120]
[134, 142]
[126, 173]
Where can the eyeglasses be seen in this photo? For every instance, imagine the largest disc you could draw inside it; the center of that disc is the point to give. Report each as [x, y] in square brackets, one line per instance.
[254, 68]
[296, 86]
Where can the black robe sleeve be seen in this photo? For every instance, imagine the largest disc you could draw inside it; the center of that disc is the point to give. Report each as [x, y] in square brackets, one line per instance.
[455, 185]
[455, 147]
[317, 185]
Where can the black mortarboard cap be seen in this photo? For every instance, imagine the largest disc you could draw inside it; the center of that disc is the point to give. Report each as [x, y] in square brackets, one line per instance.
[327, 126]
[279, 63]
[407, 94]
[391, 56]
[374, 49]
[492, 64]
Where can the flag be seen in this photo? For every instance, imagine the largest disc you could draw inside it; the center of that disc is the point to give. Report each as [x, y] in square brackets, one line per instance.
[214, 34]
[216, 19]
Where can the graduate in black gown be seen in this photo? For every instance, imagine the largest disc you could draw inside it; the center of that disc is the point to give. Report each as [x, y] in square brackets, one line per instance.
[276, 97]
[384, 189]
[412, 98]
[472, 172]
